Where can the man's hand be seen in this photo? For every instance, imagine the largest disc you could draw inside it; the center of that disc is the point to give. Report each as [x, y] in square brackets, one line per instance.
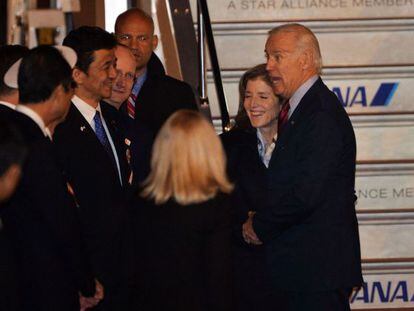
[99, 291]
[87, 302]
[90, 302]
[248, 233]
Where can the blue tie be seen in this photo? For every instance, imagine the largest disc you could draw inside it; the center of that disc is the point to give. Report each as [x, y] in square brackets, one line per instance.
[101, 134]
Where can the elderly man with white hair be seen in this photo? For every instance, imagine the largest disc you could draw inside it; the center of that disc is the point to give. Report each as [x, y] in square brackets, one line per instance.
[309, 226]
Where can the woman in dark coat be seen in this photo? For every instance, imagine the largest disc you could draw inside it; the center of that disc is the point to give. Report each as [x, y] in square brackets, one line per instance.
[185, 227]
[249, 146]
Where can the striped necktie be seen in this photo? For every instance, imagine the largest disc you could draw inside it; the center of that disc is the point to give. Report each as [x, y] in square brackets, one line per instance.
[283, 117]
[131, 105]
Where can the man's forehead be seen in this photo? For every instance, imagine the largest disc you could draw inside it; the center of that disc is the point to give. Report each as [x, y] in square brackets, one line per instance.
[124, 53]
[134, 24]
[104, 55]
[281, 42]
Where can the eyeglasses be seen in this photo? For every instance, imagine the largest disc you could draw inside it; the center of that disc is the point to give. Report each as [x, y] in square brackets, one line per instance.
[128, 76]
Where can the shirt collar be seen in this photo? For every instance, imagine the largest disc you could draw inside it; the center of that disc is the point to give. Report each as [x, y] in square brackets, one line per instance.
[139, 82]
[261, 141]
[300, 92]
[11, 106]
[87, 111]
[36, 119]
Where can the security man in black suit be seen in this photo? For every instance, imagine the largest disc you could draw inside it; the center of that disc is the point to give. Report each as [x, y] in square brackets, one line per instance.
[94, 158]
[42, 219]
[309, 226]
[155, 95]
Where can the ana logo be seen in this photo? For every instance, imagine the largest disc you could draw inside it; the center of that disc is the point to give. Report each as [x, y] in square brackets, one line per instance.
[380, 292]
[351, 96]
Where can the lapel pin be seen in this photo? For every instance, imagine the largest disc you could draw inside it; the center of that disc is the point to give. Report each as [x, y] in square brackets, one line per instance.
[82, 128]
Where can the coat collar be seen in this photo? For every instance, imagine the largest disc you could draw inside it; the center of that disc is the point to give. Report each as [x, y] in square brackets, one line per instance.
[304, 109]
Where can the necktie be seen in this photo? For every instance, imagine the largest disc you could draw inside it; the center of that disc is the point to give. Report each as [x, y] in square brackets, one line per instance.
[283, 117]
[131, 105]
[101, 134]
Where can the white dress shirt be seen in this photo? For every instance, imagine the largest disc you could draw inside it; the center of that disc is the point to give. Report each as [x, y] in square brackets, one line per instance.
[11, 106]
[300, 92]
[88, 112]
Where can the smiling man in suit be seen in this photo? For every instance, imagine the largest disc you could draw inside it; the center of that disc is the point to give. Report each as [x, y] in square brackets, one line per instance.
[93, 156]
[309, 226]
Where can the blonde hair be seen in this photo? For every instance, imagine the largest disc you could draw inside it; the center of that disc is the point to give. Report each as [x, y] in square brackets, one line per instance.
[306, 40]
[188, 162]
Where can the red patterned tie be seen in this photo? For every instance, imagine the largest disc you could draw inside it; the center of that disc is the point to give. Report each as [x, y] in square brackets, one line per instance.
[283, 117]
[131, 105]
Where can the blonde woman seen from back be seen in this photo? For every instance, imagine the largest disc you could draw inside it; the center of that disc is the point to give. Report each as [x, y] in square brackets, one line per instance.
[185, 219]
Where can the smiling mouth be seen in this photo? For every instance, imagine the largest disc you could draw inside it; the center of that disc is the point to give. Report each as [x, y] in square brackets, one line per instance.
[256, 113]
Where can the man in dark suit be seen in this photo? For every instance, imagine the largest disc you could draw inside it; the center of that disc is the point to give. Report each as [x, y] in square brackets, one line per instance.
[155, 95]
[41, 219]
[12, 152]
[309, 225]
[93, 156]
[9, 97]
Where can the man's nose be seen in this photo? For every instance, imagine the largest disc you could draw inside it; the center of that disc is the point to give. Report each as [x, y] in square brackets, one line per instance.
[112, 72]
[270, 64]
[120, 80]
[135, 44]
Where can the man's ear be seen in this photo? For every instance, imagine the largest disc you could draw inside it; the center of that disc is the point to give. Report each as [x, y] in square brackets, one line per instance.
[78, 75]
[307, 59]
[154, 42]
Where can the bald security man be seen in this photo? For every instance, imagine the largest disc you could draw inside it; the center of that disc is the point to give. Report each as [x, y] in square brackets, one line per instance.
[155, 95]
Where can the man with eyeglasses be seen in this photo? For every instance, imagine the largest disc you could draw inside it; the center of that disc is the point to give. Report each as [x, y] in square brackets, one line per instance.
[125, 76]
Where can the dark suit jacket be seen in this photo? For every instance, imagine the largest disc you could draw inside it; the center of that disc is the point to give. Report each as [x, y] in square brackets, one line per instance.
[309, 226]
[5, 112]
[159, 97]
[249, 175]
[43, 224]
[8, 275]
[186, 255]
[99, 193]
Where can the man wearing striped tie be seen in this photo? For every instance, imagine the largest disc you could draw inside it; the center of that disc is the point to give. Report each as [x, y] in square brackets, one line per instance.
[155, 95]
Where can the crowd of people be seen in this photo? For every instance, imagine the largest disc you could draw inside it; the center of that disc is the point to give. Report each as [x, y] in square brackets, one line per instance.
[117, 194]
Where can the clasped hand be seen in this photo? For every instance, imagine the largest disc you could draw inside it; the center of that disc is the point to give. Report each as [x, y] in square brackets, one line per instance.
[248, 233]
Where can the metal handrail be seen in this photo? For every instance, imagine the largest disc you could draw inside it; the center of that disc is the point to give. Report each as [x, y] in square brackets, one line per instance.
[204, 27]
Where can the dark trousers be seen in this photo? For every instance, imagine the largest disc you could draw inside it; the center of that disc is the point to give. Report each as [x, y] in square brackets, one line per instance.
[8, 280]
[252, 289]
[336, 300]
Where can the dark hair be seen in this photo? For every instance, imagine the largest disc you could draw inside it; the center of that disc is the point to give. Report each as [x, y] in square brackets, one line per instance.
[41, 71]
[9, 54]
[85, 41]
[257, 72]
[12, 146]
